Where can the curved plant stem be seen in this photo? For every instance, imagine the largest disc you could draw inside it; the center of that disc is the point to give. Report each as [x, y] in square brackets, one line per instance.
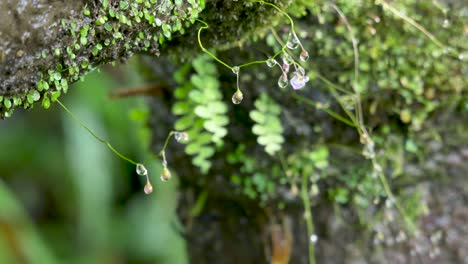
[388, 191]
[411, 22]
[360, 120]
[356, 68]
[162, 153]
[206, 26]
[204, 49]
[105, 142]
[280, 11]
[324, 108]
[308, 216]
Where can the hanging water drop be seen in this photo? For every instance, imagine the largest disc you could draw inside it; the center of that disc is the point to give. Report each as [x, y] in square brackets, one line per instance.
[141, 170]
[181, 136]
[148, 188]
[293, 41]
[446, 23]
[271, 62]
[304, 55]
[286, 59]
[235, 70]
[313, 238]
[283, 81]
[165, 174]
[237, 97]
[300, 71]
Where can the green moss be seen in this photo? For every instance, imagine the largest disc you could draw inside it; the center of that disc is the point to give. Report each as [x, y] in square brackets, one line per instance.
[85, 51]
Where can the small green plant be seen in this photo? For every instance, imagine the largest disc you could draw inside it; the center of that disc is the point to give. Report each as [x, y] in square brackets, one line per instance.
[267, 126]
[201, 111]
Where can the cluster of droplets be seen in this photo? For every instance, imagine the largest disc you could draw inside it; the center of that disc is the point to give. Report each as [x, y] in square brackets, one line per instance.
[293, 43]
[180, 137]
[142, 171]
[299, 77]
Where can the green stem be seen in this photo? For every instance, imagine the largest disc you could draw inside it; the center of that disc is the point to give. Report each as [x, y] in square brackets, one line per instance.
[325, 109]
[359, 114]
[206, 26]
[308, 217]
[411, 22]
[204, 49]
[105, 142]
[166, 142]
[388, 191]
[162, 153]
[279, 10]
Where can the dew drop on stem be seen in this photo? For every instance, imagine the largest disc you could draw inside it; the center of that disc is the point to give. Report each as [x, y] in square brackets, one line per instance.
[141, 170]
[237, 97]
[165, 174]
[235, 70]
[293, 41]
[283, 81]
[304, 55]
[271, 62]
[181, 136]
[148, 188]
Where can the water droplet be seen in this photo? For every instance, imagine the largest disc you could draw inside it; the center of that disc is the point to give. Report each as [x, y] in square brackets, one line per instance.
[286, 59]
[283, 81]
[285, 68]
[235, 70]
[300, 71]
[313, 238]
[304, 55]
[271, 62]
[141, 170]
[293, 41]
[377, 168]
[181, 136]
[389, 202]
[237, 97]
[148, 188]
[446, 23]
[165, 174]
[462, 56]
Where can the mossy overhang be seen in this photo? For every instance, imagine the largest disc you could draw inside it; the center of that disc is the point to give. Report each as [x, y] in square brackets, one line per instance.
[47, 45]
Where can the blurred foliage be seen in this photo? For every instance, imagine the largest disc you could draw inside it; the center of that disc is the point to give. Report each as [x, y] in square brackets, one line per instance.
[65, 198]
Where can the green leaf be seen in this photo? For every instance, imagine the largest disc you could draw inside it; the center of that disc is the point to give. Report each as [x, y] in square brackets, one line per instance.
[268, 126]
[259, 130]
[184, 123]
[217, 107]
[7, 103]
[257, 116]
[181, 108]
[45, 102]
[203, 112]
[192, 148]
[55, 95]
[205, 152]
